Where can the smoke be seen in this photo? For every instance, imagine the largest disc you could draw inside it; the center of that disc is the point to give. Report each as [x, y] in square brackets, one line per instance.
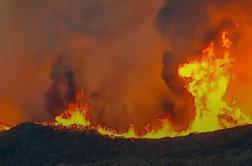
[113, 50]
[62, 90]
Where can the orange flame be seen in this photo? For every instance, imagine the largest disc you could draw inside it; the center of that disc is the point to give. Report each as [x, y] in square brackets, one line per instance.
[207, 80]
[76, 114]
[226, 42]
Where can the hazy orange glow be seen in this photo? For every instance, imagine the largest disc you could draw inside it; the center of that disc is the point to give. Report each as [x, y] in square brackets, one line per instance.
[10, 115]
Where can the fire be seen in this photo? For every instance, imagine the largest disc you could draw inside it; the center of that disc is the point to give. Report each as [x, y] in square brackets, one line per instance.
[130, 133]
[207, 80]
[4, 127]
[76, 114]
[164, 131]
[226, 42]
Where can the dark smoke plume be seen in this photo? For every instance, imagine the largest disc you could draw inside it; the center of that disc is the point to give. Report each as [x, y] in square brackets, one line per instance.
[63, 89]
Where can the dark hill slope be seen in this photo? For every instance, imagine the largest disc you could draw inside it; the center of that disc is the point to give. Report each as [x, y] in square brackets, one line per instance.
[31, 144]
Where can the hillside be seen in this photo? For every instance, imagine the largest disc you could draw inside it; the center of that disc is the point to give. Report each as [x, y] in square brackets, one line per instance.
[32, 144]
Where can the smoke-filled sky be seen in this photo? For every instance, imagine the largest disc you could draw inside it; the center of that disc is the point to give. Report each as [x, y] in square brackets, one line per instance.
[123, 53]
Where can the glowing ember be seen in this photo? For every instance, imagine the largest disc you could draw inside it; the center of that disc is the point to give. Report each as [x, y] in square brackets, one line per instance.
[207, 80]
[131, 133]
[4, 127]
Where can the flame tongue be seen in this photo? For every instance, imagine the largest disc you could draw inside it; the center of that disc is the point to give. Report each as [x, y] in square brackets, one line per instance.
[207, 80]
[76, 114]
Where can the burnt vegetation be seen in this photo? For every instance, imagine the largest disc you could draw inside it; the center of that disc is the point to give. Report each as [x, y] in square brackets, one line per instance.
[31, 144]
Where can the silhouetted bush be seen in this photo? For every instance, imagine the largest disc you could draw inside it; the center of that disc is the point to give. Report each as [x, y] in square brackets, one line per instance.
[30, 144]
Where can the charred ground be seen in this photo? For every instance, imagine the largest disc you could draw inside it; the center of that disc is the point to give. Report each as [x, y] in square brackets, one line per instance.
[31, 144]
